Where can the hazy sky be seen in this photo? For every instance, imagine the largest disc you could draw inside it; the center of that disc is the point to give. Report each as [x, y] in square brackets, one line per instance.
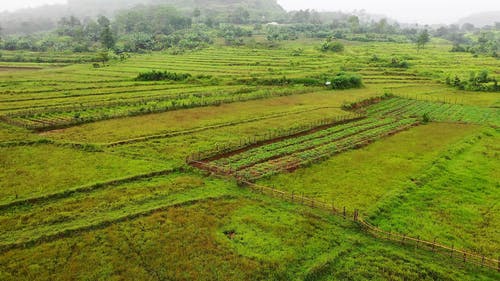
[422, 11]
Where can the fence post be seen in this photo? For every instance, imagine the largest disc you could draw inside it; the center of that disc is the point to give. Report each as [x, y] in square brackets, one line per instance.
[344, 212]
[293, 195]
[434, 245]
[333, 208]
[403, 240]
[451, 254]
[482, 261]
[465, 257]
[418, 240]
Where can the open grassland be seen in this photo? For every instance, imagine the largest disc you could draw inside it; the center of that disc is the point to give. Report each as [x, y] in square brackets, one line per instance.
[455, 200]
[104, 191]
[247, 237]
[30, 171]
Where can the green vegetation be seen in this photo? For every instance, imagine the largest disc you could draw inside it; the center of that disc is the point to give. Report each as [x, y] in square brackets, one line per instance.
[106, 125]
[476, 82]
[155, 75]
[454, 200]
[346, 81]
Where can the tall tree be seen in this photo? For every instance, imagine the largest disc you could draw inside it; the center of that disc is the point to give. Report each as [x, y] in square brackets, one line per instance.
[422, 39]
[106, 36]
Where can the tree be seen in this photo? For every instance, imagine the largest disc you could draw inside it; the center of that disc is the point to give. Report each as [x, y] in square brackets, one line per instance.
[354, 24]
[106, 36]
[468, 27]
[196, 13]
[103, 57]
[422, 39]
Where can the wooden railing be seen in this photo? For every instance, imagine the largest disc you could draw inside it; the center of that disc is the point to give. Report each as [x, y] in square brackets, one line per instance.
[337, 209]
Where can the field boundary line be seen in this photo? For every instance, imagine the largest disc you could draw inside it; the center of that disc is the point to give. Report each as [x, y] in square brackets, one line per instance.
[23, 118]
[87, 188]
[103, 224]
[277, 156]
[211, 127]
[249, 142]
[465, 256]
[476, 259]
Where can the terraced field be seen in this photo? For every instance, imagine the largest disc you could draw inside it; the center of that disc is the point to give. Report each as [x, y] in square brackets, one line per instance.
[95, 185]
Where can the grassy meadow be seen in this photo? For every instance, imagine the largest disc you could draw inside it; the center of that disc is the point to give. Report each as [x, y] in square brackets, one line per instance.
[94, 183]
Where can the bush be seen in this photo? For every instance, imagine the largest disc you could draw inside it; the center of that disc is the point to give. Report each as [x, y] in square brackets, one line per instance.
[283, 81]
[346, 81]
[457, 48]
[336, 47]
[155, 75]
[426, 118]
[397, 63]
[480, 82]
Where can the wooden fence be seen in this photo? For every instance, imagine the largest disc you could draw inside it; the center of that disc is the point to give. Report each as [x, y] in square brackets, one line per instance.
[336, 209]
[262, 139]
[206, 157]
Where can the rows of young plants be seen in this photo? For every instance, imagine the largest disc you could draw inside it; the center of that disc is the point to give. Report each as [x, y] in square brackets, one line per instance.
[46, 119]
[300, 143]
[291, 153]
[302, 158]
[298, 159]
[435, 111]
[47, 57]
[113, 98]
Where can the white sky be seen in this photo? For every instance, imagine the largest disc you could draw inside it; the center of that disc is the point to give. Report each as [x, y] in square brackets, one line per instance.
[11, 5]
[422, 11]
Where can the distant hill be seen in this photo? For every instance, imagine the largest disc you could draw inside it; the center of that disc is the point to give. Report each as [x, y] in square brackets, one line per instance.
[261, 7]
[45, 18]
[482, 19]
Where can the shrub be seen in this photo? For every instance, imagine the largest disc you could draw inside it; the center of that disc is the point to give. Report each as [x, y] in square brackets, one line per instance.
[345, 80]
[283, 81]
[155, 75]
[481, 82]
[457, 48]
[426, 118]
[395, 62]
[297, 52]
[336, 47]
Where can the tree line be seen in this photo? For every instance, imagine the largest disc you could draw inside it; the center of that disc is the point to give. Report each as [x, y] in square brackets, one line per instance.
[161, 27]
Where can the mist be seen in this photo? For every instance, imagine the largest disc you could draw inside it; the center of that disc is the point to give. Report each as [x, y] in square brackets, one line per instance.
[422, 12]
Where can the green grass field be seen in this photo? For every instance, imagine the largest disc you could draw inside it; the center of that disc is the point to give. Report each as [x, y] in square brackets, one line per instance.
[95, 185]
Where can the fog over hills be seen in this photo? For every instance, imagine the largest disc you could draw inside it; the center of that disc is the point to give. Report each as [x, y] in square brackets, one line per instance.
[45, 17]
[482, 19]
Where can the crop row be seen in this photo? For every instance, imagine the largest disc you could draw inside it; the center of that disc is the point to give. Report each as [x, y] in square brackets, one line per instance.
[436, 111]
[303, 158]
[301, 143]
[62, 117]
